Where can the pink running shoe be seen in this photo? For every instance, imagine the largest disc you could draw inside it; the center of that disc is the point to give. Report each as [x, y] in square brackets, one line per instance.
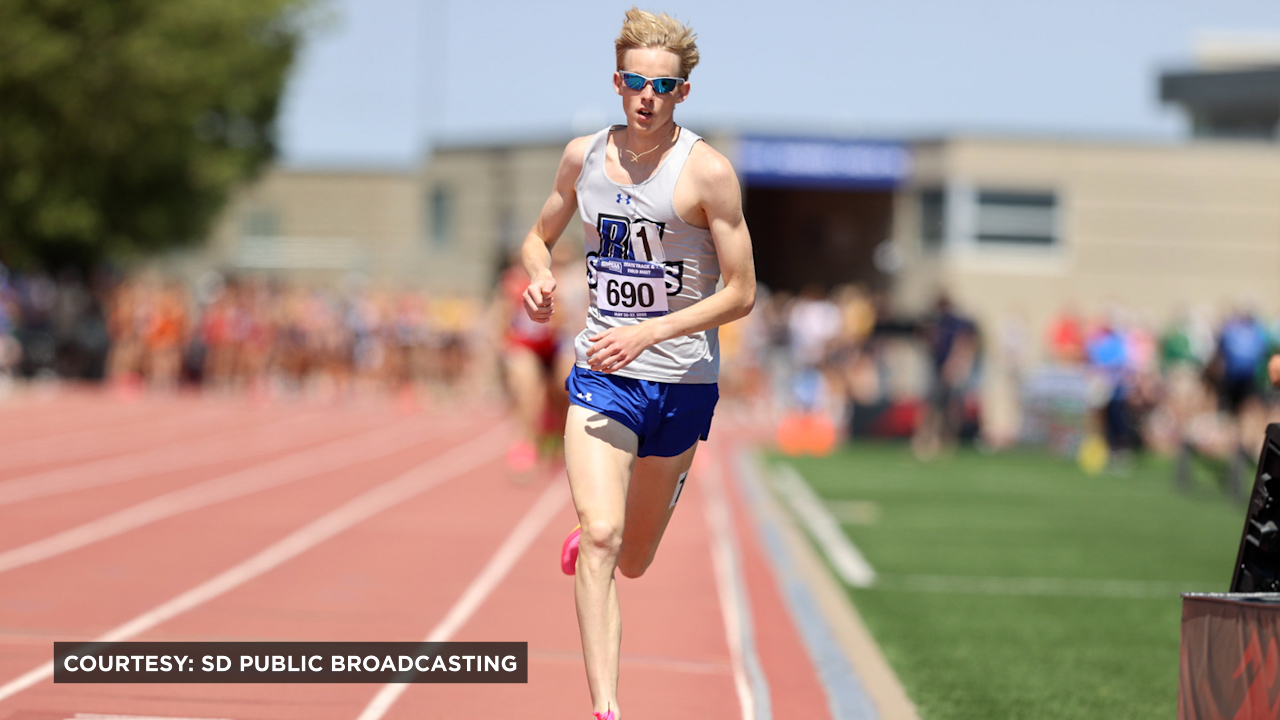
[522, 457]
[569, 556]
[607, 715]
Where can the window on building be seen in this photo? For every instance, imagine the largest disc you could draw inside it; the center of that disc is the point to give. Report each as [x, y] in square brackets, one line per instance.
[260, 222]
[440, 216]
[933, 218]
[1018, 218]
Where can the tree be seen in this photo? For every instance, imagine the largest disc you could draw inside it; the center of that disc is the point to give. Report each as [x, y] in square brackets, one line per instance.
[124, 124]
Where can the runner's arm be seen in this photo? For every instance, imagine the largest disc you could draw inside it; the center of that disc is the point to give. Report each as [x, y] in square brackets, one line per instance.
[717, 186]
[556, 213]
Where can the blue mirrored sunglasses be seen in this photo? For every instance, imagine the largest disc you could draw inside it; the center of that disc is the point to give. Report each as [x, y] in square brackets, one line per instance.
[661, 85]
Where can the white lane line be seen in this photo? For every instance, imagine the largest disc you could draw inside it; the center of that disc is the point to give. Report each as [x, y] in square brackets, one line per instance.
[748, 676]
[452, 464]
[98, 440]
[526, 531]
[53, 414]
[1037, 587]
[98, 716]
[153, 461]
[848, 563]
[331, 456]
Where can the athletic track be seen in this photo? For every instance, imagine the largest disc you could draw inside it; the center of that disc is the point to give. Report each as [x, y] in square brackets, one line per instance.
[205, 518]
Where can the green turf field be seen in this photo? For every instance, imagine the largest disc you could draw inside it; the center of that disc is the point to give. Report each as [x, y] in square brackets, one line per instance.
[1015, 586]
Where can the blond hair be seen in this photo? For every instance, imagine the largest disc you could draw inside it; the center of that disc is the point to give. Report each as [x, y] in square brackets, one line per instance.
[645, 30]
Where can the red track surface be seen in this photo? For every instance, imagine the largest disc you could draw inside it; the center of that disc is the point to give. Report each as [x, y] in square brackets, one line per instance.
[207, 484]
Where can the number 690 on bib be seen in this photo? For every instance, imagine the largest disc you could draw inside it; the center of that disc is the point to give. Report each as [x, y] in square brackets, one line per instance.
[630, 288]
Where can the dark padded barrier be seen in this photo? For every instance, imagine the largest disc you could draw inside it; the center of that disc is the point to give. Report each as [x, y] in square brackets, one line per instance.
[1258, 561]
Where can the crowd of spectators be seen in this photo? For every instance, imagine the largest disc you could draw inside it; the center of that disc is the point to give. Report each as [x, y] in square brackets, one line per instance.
[52, 326]
[826, 352]
[841, 356]
[1191, 388]
[245, 335]
[1194, 388]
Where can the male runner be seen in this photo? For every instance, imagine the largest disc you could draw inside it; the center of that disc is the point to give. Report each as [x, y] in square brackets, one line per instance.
[664, 223]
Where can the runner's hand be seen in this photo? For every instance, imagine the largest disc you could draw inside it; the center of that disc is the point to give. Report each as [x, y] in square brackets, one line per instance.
[1273, 370]
[615, 348]
[539, 299]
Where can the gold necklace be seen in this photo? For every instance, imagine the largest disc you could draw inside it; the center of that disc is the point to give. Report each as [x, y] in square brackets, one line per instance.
[636, 156]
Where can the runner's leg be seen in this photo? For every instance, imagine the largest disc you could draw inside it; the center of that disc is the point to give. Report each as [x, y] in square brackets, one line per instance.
[599, 454]
[650, 502]
[528, 388]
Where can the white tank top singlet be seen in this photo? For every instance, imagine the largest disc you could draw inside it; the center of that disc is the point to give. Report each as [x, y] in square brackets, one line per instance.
[643, 261]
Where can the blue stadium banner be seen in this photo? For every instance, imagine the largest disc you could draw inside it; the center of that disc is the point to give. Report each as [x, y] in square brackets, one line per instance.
[818, 163]
[291, 662]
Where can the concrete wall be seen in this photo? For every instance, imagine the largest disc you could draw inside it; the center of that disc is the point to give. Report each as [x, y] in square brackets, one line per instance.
[384, 225]
[315, 226]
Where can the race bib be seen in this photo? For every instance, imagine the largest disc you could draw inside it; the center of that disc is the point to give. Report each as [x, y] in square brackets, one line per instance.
[630, 288]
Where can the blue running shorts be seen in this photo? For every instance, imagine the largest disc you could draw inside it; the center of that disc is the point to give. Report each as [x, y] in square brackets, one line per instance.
[667, 418]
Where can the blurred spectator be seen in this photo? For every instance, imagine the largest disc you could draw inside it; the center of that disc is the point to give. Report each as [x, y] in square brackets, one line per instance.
[1185, 347]
[952, 343]
[1110, 353]
[849, 348]
[1066, 337]
[1005, 377]
[1242, 348]
[1239, 367]
[813, 324]
[10, 350]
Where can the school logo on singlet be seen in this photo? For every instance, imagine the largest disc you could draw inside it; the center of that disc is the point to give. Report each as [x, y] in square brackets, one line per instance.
[622, 238]
[615, 237]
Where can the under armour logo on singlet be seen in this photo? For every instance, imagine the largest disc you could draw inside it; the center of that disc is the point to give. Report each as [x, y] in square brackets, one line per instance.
[622, 195]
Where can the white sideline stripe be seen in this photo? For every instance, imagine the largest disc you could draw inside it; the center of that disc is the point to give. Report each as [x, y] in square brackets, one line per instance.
[847, 561]
[1030, 586]
[838, 645]
[360, 508]
[525, 532]
[153, 461]
[331, 456]
[748, 677]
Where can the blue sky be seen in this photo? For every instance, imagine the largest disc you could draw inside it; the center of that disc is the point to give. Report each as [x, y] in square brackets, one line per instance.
[383, 79]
